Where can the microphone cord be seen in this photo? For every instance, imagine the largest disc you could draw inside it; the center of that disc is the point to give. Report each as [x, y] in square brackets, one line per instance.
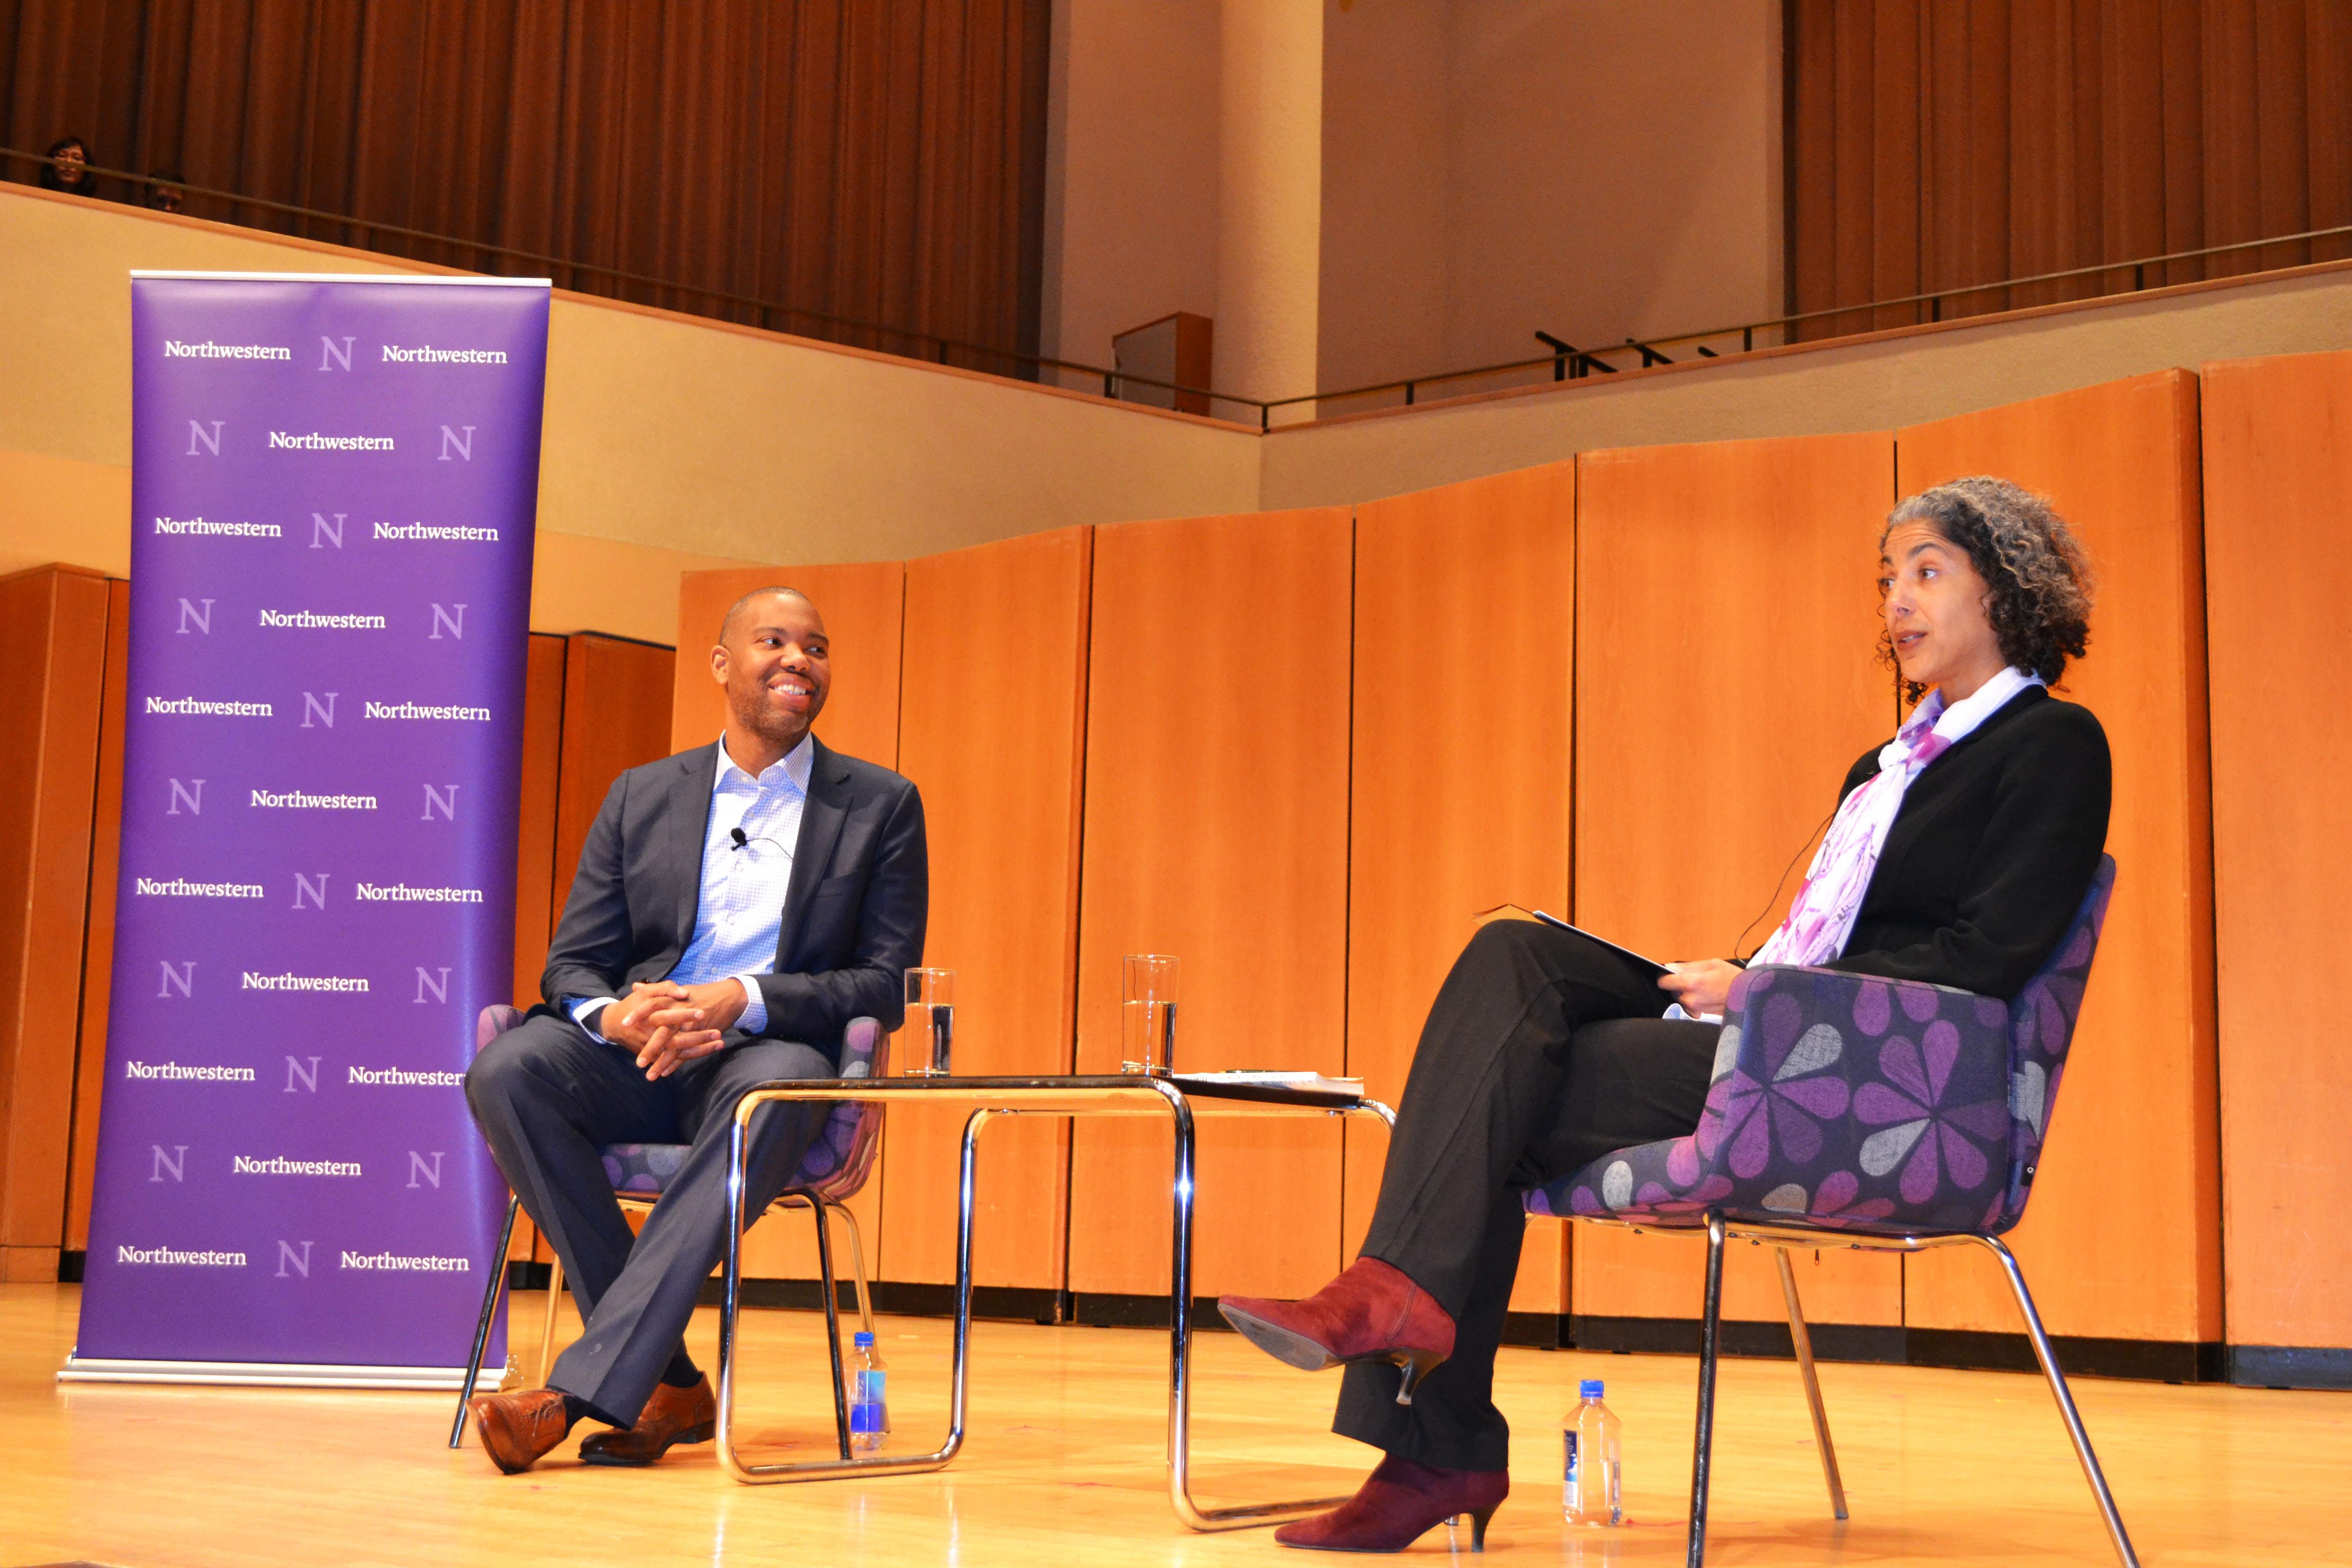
[1783, 882]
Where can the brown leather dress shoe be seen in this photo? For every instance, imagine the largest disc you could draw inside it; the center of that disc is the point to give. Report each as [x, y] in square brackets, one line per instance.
[517, 1429]
[1372, 1311]
[671, 1416]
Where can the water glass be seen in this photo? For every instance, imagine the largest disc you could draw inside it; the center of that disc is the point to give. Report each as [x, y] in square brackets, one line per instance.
[1147, 1013]
[931, 1021]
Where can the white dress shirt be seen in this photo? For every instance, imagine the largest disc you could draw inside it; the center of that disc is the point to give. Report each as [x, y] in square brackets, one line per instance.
[740, 914]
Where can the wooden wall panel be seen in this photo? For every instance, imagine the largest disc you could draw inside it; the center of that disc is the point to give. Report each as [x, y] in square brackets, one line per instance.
[2122, 1237]
[1724, 681]
[2278, 563]
[617, 693]
[864, 607]
[97, 941]
[536, 895]
[52, 675]
[1459, 795]
[1217, 829]
[992, 730]
[538, 899]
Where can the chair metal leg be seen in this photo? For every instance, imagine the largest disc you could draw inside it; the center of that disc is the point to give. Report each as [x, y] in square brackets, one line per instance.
[857, 1262]
[1710, 1333]
[547, 1329]
[1803, 1341]
[832, 1317]
[2058, 1390]
[490, 1295]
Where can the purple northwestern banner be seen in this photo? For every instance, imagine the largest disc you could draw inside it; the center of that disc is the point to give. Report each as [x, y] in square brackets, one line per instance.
[333, 486]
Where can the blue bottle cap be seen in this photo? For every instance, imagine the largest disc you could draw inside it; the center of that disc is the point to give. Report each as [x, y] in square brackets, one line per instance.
[1589, 1389]
[862, 1340]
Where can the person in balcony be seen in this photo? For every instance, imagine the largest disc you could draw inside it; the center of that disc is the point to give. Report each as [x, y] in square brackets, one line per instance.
[1958, 855]
[67, 169]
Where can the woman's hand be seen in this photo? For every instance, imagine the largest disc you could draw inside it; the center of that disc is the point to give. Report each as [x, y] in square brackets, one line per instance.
[1702, 986]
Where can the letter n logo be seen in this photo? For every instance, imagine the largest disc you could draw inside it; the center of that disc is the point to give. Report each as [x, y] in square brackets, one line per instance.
[211, 443]
[313, 893]
[330, 356]
[194, 799]
[314, 709]
[442, 617]
[298, 1261]
[294, 1071]
[453, 442]
[434, 800]
[417, 1167]
[192, 617]
[176, 1162]
[424, 982]
[319, 527]
[179, 977]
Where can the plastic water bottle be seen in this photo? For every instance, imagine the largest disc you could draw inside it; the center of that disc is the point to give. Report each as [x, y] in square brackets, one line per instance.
[1593, 1489]
[869, 1413]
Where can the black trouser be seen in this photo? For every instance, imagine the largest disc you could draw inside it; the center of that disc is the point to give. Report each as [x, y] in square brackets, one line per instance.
[1543, 1052]
[548, 1097]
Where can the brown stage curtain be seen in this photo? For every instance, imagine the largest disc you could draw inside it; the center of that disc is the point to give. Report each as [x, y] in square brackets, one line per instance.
[877, 160]
[1933, 143]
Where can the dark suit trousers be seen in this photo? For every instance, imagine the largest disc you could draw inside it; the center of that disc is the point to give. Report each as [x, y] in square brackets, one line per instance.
[1543, 1052]
[547, 1097]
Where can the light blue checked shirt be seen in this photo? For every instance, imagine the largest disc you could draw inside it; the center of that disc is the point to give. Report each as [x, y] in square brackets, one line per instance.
[741, 912]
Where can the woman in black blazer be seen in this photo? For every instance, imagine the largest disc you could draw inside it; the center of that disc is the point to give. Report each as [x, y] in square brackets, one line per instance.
[1958, 855]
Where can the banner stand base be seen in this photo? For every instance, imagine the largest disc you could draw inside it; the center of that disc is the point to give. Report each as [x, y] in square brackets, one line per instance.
[278, 1375]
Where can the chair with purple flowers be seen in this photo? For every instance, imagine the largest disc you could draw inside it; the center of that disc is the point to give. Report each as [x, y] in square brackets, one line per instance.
[1877, 1114]
[838, 1161]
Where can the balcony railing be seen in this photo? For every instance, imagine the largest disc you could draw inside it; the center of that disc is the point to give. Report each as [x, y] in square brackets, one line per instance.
[1562, 361]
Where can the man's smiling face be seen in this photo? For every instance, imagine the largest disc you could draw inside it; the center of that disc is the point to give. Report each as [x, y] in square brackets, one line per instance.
[776, 664]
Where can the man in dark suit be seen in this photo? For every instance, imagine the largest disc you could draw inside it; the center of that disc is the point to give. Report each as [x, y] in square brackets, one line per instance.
[736, 905]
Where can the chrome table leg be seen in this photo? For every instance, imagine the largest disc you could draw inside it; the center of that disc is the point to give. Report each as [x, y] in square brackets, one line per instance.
[1241, 1516]
[849, 1464]
[2058, 1390]
[1804, 1340]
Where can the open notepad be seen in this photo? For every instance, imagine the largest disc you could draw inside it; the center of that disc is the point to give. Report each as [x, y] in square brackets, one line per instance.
[1513, 912]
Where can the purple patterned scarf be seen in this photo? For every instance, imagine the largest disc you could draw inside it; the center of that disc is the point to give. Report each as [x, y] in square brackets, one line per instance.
[1822, 916]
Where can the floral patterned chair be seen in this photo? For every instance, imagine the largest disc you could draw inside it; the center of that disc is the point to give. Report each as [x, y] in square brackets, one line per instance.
[838, 1161]
[1848, 1110]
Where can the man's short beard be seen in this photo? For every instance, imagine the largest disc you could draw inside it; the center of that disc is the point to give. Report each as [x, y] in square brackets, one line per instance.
[770, 725]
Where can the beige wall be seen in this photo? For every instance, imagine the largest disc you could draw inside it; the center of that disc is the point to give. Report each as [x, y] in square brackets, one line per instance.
[1599, 170]
[1131, 171]
[671, 443]
[1874, 384]
[1270, 210]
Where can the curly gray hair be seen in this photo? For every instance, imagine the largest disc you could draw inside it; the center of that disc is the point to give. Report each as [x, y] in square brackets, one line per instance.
[2037, 577]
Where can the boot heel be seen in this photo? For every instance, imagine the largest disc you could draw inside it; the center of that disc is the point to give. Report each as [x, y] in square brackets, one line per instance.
[1478, 1529]
[1416, 1366]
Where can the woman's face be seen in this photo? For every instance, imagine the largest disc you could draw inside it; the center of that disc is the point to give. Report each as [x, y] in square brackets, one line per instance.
[71, 160]
[1934, 601]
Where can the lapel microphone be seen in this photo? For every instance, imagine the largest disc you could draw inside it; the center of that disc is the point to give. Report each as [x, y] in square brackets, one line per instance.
[737, 835]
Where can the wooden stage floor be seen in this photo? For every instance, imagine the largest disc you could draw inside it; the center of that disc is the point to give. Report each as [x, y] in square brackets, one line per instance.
[1063, 1464]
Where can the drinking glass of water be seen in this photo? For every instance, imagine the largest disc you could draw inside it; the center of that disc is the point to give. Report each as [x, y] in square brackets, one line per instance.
[1147, 1013]
[931, 1021]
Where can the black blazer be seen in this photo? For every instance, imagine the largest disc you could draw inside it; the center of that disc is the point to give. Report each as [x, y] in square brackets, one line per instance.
[1991, 854]
[854, 910]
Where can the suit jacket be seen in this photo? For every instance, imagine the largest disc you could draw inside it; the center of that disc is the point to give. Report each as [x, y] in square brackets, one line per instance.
[1992, 853]
[854, 907]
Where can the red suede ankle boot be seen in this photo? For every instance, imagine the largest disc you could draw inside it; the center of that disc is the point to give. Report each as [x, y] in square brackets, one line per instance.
[1371, 1312]
[1398, 1504]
